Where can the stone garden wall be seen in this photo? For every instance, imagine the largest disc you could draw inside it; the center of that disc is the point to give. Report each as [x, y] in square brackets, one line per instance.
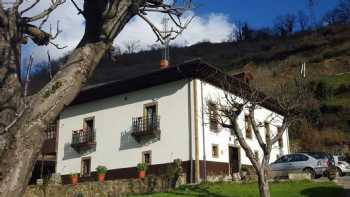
[107, 189]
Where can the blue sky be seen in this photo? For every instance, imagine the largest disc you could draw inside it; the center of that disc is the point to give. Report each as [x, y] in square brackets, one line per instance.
[261, 13]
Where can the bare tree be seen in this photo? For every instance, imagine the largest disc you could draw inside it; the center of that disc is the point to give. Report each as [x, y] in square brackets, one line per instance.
[23, 118]
[242, 31]
[241, 99]
[303, 21]
[311, 5]
[285, 24]
[330, 18]
[339, 15]
[132, 46]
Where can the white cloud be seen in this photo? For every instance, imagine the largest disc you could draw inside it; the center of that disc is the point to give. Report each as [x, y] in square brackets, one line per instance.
[215, 27]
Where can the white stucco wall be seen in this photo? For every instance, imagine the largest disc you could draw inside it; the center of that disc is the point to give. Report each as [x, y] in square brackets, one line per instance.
[113, 118]
[223, 137]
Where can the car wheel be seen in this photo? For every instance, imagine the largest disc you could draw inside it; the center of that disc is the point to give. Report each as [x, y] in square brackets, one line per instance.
[311, 172]
[339, 172]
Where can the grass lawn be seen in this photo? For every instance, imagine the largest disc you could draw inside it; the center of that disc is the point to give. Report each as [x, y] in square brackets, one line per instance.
[285, 189]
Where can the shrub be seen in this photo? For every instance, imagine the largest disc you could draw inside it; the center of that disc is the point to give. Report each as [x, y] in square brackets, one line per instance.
[331, 173]
[322, 91]
[244, 169]
[101, 169]
[142, 167]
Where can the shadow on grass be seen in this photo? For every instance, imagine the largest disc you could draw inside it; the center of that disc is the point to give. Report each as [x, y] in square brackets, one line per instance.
[197, 190]
[324, 192]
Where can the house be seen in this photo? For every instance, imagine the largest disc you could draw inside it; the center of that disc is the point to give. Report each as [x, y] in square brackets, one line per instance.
[155, 118]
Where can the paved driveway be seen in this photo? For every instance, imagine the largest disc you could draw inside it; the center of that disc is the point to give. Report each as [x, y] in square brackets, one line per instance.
[345, 183]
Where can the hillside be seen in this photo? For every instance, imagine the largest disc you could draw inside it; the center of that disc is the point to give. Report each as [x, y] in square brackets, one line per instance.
[271, 60]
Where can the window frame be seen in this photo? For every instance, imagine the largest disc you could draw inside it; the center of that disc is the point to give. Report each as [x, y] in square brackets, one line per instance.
[147, 105]
[150, 157]
[82, 174]
[215, 155]
[91, 118]
[213, 116]
[248, 127]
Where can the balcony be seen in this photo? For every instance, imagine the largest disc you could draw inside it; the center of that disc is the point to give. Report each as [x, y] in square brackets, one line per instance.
[49, 146]
[83, 139]
[145, 127]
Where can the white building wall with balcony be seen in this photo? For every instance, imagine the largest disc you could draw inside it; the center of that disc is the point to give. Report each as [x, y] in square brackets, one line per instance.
[223, 137]
[115, 147]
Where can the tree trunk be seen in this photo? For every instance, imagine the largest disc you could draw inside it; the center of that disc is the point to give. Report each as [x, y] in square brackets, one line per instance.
[27, 134]
[11, 100]
[263, 174]
[263, 184]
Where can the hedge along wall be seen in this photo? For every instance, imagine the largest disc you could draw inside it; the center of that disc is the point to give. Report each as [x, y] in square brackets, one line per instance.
[107, 189]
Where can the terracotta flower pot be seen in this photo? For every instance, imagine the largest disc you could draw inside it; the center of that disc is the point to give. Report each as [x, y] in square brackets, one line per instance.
[101, 178]
[164, 64]
[74, 179]
[142, 174]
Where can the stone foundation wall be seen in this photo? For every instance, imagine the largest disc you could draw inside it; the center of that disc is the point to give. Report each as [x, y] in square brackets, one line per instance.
[107, 189]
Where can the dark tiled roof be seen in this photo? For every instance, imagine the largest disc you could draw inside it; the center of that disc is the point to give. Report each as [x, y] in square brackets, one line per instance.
[131, 81]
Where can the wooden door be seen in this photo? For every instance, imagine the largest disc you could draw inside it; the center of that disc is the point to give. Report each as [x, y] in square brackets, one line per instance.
[234, 159]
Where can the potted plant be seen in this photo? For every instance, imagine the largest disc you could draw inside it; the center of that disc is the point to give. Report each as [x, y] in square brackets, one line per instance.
[142, 168]
[74, 178]
[101, 173]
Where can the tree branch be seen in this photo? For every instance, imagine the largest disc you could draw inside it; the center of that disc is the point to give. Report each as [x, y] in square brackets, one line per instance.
[30, 7]
[3, 17]
[80, 11]
[38, 36]
[45, 13]
[252, 120]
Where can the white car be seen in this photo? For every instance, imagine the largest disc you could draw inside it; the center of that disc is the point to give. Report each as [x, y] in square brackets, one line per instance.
[343, 167]
[299, 162]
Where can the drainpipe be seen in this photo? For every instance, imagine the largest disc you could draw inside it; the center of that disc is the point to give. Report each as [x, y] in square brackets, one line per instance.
[190, 130]
[203, 133]
[196, 141]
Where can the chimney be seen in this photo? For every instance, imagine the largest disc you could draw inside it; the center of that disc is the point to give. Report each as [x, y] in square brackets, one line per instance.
[164, 64]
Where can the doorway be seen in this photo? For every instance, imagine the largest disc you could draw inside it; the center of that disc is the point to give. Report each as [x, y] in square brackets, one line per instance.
[234, 159]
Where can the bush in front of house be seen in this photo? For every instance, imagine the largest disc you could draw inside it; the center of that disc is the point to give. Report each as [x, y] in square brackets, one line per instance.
[331, 173]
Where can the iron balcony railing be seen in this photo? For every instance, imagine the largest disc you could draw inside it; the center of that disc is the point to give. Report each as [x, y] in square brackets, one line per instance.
[83, 137]
[145, 125]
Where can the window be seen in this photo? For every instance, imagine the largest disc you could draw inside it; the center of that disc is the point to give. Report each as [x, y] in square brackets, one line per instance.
[150, 113]
[213, 116]
[283, 159]
[280, 140]
[147, 157]
[248, 127]
[51, 131]
[89, 124]
[298, 157]
[85, 166]
[256, 154]
[215, 151]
